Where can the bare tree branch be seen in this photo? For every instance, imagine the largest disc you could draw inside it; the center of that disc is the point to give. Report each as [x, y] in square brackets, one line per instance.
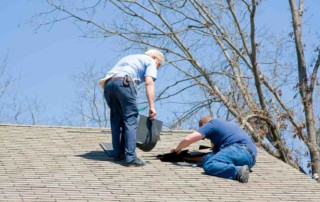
[219, 50]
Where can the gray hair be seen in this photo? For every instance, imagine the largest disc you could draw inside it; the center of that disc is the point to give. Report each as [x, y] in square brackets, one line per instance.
[155, 53]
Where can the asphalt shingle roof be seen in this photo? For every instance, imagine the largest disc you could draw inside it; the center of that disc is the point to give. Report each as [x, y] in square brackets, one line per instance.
[39, 163]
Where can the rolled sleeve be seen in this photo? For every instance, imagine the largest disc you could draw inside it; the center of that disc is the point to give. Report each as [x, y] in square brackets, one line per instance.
[151, 70]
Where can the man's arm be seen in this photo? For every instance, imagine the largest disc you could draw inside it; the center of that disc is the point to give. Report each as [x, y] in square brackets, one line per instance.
[189, 139]
[150, 96]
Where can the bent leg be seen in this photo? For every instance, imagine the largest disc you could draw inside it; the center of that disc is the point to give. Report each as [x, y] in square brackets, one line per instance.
[227, 162]
[219, 165]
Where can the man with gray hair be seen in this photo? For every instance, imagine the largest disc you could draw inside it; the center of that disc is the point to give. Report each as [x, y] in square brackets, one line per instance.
[121, 95]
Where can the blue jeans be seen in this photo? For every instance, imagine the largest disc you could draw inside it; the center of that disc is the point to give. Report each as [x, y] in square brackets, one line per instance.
[122, 102]
[227, 161]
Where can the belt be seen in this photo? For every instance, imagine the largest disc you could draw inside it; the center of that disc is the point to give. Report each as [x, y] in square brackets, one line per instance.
[250, 152]
[116, 78]
[121, 79]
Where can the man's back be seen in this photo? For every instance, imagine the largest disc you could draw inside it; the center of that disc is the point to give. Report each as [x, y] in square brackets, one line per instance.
[223, 134]
[138, 66]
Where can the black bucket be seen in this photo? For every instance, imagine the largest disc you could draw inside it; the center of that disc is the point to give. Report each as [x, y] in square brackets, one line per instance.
[148, 133]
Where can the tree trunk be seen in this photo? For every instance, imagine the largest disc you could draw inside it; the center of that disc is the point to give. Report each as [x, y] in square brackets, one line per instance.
[305, 90]
[313, 147]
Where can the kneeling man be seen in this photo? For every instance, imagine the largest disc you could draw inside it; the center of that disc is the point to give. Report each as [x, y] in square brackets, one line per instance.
[233, 153]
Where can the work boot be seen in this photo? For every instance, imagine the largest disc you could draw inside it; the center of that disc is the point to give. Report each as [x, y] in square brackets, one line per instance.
[135, 163]
[243, 174]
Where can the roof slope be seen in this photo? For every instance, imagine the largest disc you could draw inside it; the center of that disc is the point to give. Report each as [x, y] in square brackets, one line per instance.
[61, 163]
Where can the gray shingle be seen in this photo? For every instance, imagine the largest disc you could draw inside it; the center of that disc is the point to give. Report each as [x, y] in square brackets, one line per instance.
[39, 163]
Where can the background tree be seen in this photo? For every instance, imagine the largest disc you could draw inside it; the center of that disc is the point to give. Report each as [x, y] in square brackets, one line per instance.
[16, 108]
[218, 53]
[4, 78]
[90, 108]
[306, 84]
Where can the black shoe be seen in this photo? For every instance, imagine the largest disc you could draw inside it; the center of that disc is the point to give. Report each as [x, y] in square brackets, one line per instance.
[135, 163]
[243, 174]
[110, 153]
[119, 158]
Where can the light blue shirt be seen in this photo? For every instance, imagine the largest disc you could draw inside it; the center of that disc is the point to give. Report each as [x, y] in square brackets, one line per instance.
[137, 66]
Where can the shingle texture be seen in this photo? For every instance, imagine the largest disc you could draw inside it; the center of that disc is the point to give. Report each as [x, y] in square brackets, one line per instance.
[40, 163]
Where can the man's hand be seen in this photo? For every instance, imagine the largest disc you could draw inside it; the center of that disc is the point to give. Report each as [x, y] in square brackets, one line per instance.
[152, 113]
[189, 139]
[175, 150]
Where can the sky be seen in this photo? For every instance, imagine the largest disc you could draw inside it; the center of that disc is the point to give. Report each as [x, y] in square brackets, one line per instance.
[46, 59]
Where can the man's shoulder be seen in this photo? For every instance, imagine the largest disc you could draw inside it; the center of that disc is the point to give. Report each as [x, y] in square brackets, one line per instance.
[207, 128]
[217, 121]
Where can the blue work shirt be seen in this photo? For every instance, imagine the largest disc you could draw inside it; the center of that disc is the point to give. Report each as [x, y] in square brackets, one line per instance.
[223, 134]
[137, 66]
